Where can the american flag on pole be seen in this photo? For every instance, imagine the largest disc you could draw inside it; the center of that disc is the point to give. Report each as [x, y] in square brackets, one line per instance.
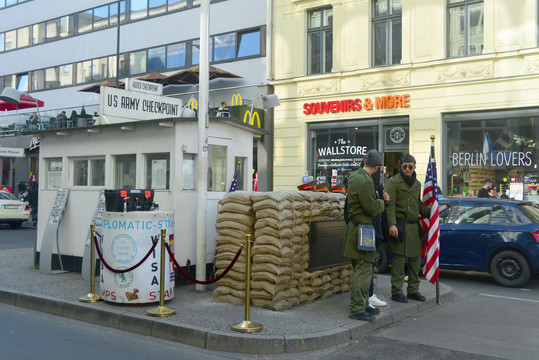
[431, 249]
[235, 180]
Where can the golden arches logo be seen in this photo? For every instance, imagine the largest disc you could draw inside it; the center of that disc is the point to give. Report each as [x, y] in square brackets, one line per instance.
[192, 104]
[252, 118]
[236, 100]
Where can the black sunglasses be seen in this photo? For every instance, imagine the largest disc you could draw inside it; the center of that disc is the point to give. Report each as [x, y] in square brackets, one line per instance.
[410, 167]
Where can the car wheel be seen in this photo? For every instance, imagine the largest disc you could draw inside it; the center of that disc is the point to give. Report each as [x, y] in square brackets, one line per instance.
[510, 269]
[15, 225]
[382, 261]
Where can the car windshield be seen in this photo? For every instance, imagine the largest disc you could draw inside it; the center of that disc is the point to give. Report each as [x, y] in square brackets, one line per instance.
[7, 196]
[532, 211]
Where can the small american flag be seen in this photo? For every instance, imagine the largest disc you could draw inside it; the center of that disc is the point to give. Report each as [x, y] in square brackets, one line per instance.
[235, 180]
[431, 249]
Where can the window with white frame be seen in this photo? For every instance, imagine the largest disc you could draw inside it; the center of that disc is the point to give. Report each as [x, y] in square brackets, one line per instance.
[189, 172]
[158, 171]
[320, 41]
[53, 172]
[387, 32]
[217, 168]
[89, 171]
[465, 27]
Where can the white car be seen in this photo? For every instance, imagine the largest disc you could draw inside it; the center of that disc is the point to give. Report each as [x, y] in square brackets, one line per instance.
[13, 211]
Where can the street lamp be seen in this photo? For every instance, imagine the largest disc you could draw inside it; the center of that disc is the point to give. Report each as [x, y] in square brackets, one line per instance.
[268, 101]
[13, 96]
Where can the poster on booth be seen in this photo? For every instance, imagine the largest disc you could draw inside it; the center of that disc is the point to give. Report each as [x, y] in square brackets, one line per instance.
[127, 239]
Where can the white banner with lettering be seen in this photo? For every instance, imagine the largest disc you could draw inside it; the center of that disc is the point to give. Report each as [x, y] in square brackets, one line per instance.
[120, 106]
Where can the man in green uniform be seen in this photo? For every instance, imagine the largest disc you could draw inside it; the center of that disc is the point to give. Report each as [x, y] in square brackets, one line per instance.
[362, 208]
[402, 218]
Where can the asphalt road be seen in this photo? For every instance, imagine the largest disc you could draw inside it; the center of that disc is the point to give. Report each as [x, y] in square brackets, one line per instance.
[483, 321]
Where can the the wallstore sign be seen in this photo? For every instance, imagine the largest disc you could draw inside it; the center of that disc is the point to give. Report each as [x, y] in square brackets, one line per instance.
[354, 105]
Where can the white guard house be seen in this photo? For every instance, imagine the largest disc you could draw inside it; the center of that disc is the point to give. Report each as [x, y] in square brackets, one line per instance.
[140, 141]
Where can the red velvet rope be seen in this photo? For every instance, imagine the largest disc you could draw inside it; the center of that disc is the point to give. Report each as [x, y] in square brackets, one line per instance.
[200, 281]
[123, 270]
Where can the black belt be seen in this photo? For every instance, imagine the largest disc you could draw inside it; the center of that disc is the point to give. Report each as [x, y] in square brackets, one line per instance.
[354, 222]
[407, 221]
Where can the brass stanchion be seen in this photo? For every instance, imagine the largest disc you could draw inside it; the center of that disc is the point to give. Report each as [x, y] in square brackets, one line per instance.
[92, 296]
[162, 310]
[247, 325]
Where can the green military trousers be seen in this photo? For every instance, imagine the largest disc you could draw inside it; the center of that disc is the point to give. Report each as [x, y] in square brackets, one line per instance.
[397, 274]
[361, 280]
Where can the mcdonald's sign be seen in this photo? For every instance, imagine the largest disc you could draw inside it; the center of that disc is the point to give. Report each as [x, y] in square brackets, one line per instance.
[236, 100]
[250, 118]
[192, 104]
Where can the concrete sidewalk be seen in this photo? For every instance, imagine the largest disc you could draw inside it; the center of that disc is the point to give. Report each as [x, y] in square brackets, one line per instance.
[200, 320]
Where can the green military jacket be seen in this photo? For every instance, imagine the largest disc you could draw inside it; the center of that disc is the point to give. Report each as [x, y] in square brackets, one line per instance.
[362, 207]
[405, 203]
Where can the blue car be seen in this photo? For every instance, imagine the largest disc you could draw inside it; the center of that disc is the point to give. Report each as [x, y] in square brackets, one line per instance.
[500, 237]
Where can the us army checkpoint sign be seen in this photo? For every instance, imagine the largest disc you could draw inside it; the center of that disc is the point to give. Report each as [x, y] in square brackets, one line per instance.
[127, 238]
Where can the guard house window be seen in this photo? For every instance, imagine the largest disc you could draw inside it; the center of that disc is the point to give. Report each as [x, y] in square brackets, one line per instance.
[320, 41]
[387, 33]
[158, 171]
[126, 166]
[188, 171]
[89, 172]
[465, 27]
[54, 173]
[217, 168]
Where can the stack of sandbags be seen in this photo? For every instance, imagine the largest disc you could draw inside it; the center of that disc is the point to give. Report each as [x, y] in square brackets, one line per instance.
[235, 219]
[280, 222]
[276, 268]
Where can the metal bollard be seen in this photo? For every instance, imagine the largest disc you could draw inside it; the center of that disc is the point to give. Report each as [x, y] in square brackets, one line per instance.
[92, 296]
[162, 310]
[247, 325]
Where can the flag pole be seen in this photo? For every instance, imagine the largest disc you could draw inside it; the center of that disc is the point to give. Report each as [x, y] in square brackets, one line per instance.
[432, 137]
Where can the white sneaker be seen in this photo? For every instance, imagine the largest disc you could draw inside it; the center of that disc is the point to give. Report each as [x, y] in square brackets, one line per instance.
[374, 301]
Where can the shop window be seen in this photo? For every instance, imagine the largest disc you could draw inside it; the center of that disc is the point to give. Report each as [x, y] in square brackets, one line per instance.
[156, 59]
[54, 173]
[320, 41]
[465, 27]
[249, 43]
[126, 167]
[217, 168]
[158, 171]
[38, 33]
[339, 149]
[387, 32]
[189, 172]
[175, 56]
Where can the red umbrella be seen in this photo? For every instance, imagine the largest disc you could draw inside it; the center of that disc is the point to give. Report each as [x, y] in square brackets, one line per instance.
[26, 102]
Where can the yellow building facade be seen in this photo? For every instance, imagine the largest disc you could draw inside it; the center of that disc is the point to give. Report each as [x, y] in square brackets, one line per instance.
[353, 75]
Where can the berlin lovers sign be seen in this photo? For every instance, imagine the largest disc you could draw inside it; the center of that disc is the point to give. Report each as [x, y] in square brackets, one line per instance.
[120, 106]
